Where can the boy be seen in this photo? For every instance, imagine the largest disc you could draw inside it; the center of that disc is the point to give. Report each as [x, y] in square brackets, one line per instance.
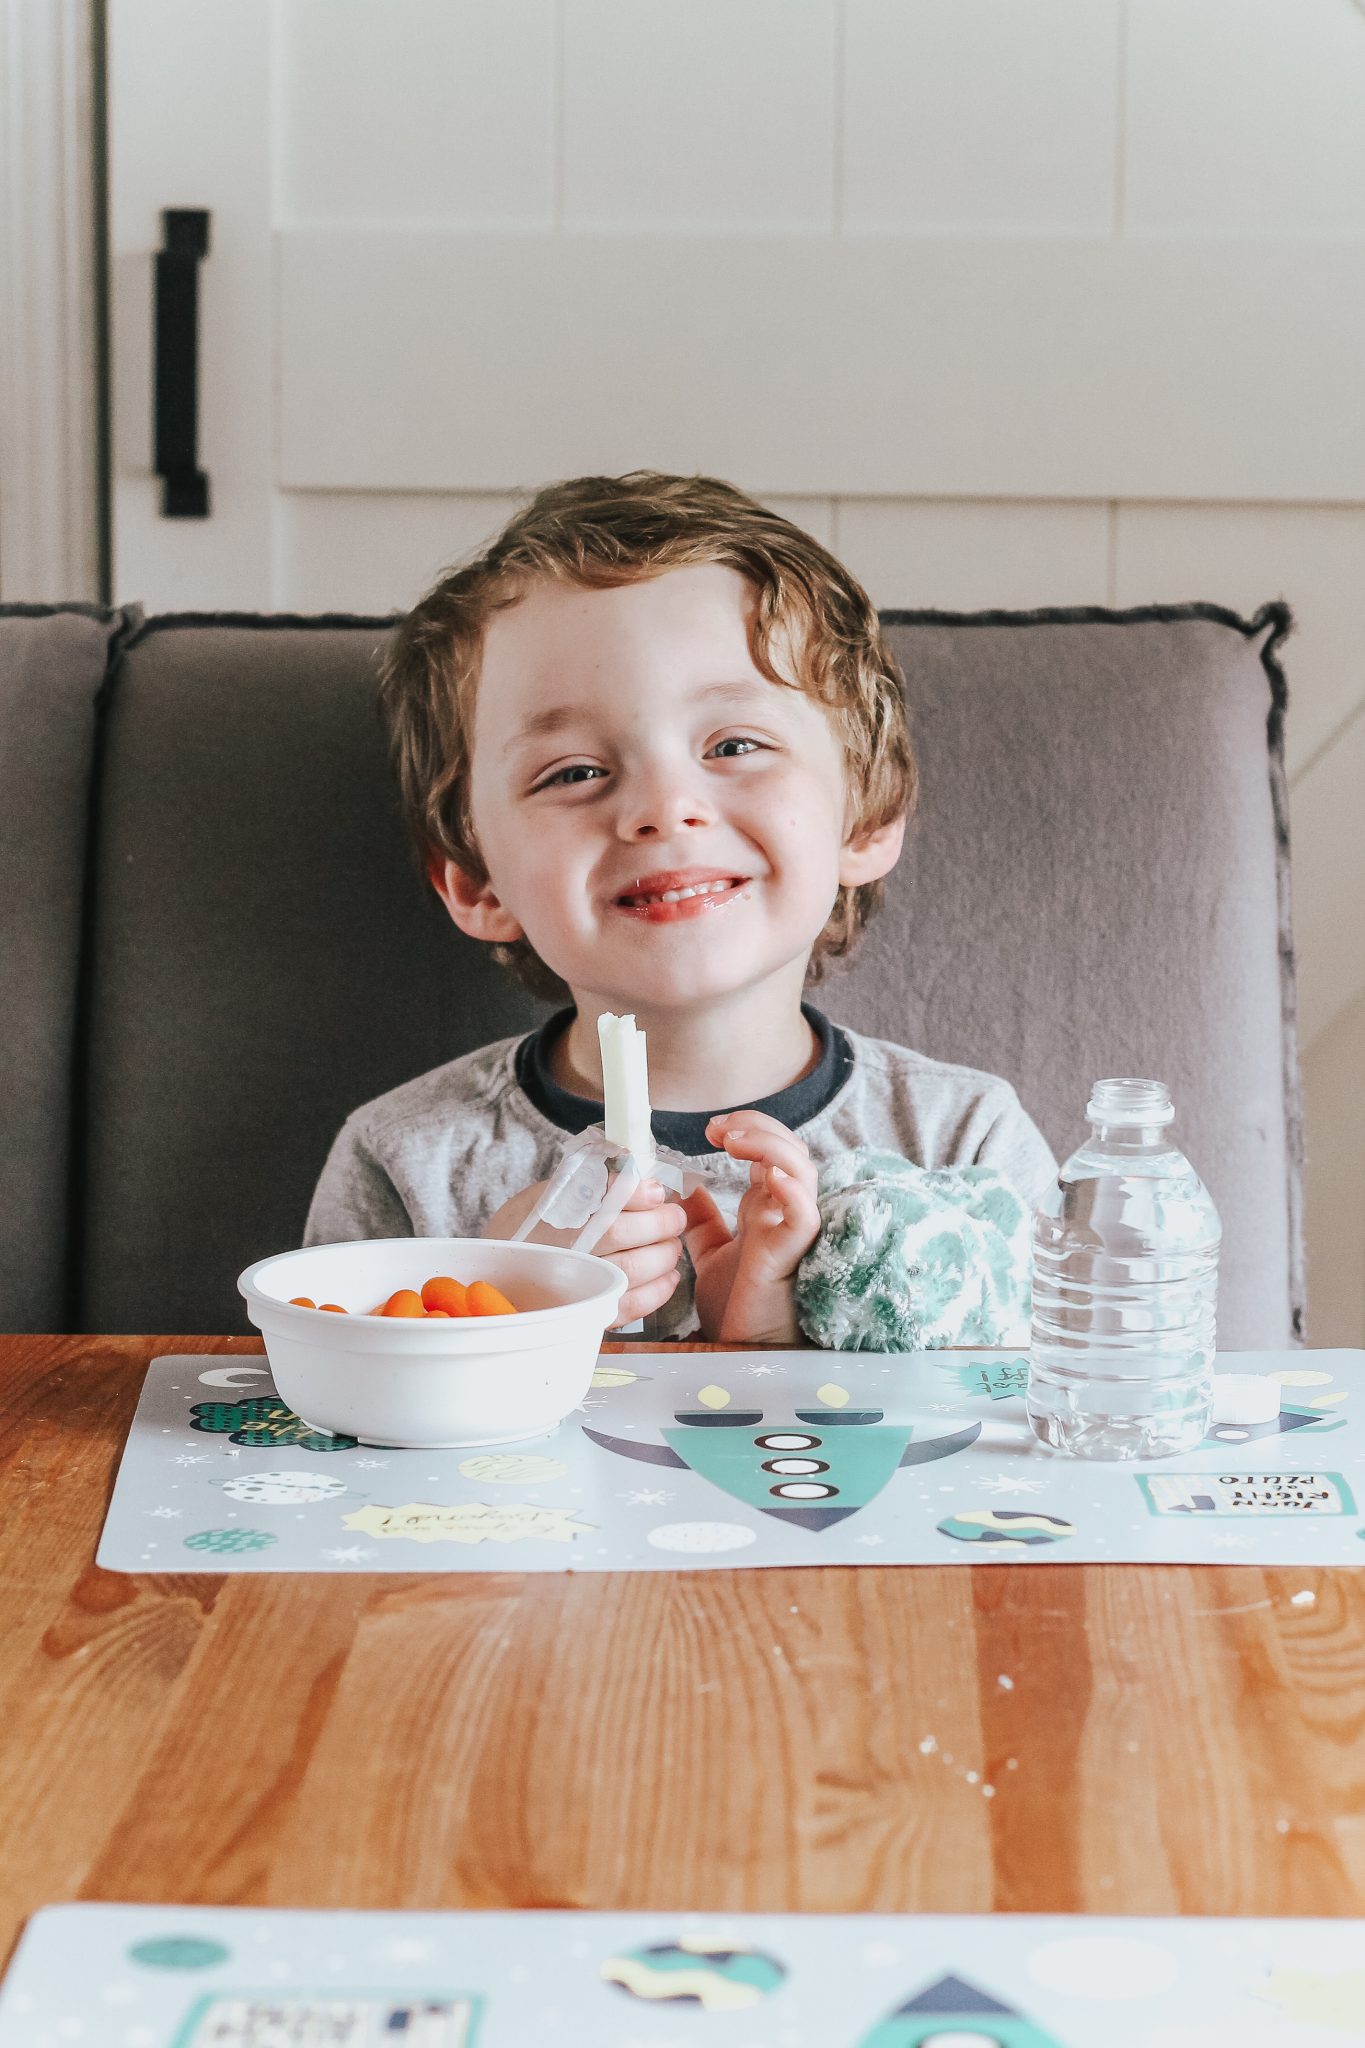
[653, 750]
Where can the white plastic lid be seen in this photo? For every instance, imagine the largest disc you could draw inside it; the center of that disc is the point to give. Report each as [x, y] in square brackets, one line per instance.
[1130, 1102]
[1245, 1397]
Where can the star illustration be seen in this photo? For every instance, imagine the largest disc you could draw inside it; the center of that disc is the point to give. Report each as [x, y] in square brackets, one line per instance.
[646, 1497]
[371, 1464]
[761, 1372]
[1004, 1482]
[165, 1514]
[348, 1553]
[1229, 1539]
[191, 1458]
[871, 1541]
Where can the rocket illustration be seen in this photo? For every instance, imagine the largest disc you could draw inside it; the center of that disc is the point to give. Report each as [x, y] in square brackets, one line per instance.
[953, 2014]
[1289, 1417]
[816, 1469]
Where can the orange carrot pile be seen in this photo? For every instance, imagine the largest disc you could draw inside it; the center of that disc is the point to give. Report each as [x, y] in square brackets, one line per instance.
[440, 1296]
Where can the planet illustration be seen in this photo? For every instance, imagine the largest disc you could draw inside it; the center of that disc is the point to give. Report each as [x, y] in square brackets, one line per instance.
[1016, 1528]
[608, 1373]
[230, 1542]
[178, 1952]
[283, 1489]
[1315, 2000]
[718, 1980]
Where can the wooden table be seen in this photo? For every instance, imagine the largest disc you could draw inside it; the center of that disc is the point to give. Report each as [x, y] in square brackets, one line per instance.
[1043, 1737]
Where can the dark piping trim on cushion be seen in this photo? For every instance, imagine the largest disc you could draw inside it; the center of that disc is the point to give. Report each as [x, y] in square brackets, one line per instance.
[1100, 615]
[53, 611]
[1278, 621]
[166, 622]
[129, 619]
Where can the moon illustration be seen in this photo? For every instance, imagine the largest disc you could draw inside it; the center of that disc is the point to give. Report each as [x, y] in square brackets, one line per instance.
[233, 1375]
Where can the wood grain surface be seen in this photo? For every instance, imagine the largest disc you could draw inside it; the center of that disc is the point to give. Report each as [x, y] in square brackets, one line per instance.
[1041, 1737]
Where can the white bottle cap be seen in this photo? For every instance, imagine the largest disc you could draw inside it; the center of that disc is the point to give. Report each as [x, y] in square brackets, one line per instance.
[1245, 1397]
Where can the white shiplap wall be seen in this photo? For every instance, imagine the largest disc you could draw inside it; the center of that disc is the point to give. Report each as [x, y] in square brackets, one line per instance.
[1138, 122]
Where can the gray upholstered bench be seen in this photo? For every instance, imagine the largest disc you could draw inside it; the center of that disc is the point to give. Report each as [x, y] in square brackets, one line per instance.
[214, 940]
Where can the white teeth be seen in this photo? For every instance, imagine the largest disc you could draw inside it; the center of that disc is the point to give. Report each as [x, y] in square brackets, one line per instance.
[680, 895]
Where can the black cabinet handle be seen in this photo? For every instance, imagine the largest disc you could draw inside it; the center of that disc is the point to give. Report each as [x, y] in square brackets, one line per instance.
[184, 486]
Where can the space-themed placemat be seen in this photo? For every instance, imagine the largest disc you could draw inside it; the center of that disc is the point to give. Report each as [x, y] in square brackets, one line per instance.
[692, 1459]
[234, 1977]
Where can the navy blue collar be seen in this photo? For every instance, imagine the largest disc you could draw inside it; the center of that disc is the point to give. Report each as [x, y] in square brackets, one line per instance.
[682, 1130]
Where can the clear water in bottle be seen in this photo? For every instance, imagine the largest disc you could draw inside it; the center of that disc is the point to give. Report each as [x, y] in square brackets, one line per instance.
[1125, 1281]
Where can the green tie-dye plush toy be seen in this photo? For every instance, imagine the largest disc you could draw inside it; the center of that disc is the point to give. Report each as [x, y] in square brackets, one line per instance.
[911, 1259]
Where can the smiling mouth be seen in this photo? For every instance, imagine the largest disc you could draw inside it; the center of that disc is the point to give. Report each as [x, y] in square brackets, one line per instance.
[638, 899]
[693, 900]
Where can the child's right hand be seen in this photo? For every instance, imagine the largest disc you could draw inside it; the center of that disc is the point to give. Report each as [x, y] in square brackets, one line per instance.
[645, 1241]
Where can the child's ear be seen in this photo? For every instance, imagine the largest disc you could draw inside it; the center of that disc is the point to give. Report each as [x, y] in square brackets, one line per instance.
[473, 905]
[867, 856]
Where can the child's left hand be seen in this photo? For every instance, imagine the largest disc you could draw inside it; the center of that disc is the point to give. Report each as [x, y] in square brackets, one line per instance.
[745, 1291]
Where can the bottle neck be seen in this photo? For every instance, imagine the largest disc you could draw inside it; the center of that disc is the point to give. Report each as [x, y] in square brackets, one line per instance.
[1131, 1137]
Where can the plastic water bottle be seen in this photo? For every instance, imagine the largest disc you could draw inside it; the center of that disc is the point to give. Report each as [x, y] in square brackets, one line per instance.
[1125, 1283]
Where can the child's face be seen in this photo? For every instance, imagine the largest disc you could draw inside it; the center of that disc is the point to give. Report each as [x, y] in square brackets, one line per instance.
[627, 749]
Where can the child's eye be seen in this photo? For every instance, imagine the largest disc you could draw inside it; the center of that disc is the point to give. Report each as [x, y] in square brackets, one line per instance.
[749, 746]
[577, 771]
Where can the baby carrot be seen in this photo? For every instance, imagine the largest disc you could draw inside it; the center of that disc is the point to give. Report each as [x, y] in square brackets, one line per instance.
[487, 1300]
[406, 1302]
[445, 1294]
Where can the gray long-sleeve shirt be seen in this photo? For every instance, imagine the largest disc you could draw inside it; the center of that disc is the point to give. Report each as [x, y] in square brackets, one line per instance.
[438, 1156]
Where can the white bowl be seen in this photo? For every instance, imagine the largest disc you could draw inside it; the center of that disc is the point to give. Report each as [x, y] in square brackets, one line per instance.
[409, 1383]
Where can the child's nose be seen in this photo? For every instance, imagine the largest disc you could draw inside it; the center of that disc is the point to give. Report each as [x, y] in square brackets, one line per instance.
[663, 826]
[656, 807]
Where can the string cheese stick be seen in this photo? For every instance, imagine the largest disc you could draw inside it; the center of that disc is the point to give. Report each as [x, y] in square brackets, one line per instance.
[625, 1089]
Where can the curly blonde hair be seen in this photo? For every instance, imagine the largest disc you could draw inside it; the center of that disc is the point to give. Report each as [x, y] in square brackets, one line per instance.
[598, 532]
